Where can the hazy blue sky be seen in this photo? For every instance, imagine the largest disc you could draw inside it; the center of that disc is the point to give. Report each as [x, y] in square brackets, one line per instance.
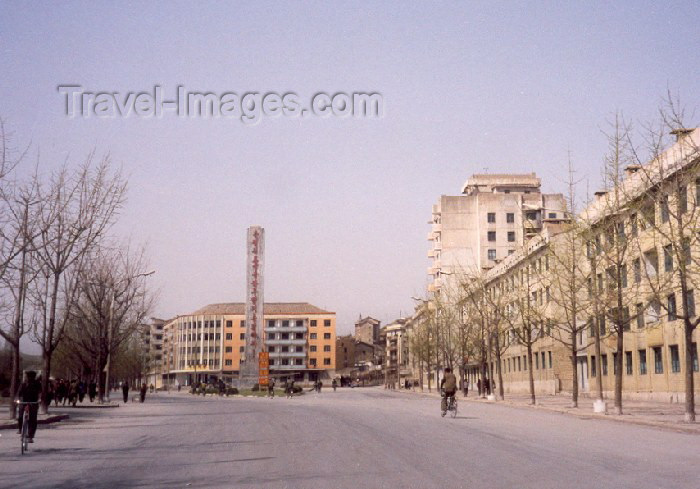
[344, 202]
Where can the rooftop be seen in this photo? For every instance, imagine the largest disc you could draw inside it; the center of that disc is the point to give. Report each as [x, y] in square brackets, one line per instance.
[270, 308]
[489, 180]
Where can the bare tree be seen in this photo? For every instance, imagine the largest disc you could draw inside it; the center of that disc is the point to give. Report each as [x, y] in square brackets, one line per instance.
[113, 304]
[666, 177]
[78, 207]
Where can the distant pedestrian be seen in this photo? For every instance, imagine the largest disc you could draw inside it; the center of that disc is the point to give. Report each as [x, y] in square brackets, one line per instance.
[125, 391]
[271, 388]
[334, 384]
[82, 390]
[320, 384]
[92, 390]
[478, 386]
[144, 389]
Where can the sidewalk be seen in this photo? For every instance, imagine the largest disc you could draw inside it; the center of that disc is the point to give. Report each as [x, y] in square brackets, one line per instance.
[648, 413]
[11, 424]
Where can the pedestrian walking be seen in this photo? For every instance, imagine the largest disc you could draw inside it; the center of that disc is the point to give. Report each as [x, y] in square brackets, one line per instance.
[92, 390]
[271, 388]
[334, 384]
[125, 391]
[144, 389]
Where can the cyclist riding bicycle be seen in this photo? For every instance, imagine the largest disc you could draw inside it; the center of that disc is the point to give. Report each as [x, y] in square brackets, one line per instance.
[29, 391]
[448, 386]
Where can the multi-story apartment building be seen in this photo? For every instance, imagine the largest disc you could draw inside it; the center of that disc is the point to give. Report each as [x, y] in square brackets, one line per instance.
[367, 330]
[397, 368]
[637, 241]
[210, 343]
[153, 343]
[494, 216]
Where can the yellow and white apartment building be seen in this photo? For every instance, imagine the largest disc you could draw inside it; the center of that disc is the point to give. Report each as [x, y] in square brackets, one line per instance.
[640, 223]
[209, 343]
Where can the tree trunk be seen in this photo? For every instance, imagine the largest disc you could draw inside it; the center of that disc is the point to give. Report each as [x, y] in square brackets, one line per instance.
[15, 380]
[618, 367]
[531, 376]
[689, 380]
[574, 366]
[499, 369]
[45, 381]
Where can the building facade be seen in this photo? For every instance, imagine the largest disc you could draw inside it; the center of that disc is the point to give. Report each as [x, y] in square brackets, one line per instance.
[494, 217]
[210, 343]
[367, 330]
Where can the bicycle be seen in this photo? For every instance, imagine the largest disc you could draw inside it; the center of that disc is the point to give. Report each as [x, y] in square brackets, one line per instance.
[24, 439]
[451, 406]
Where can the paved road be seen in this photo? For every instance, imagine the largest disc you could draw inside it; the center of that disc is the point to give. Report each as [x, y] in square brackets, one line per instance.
[359, 438]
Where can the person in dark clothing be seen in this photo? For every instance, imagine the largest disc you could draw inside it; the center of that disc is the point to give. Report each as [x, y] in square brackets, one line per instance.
[125, 391]
[334, 384]
[29, 391]
[82, 390]
[92, 391]
[144, 389]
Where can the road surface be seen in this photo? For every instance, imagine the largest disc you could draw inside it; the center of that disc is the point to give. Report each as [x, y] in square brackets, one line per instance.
[355, 438]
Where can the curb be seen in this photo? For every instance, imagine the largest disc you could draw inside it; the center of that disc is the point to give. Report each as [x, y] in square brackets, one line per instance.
[48, 420]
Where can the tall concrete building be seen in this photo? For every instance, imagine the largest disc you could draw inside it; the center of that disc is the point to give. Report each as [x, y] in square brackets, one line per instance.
[492, 218]
[367, 330]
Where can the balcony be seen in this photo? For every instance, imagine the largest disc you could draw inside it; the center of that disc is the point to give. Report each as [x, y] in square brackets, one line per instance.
[288, 354]
[437, 227]
[432, 270]
[286, 329]
[437, 246]
[431, 253]
[289, 342]
[288, 367]
[431, 236]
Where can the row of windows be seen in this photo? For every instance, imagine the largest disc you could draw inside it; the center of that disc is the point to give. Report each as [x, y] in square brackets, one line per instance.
[491, 236]
[282, 361]
[510, 217]
[514, 364]
[198, 324]
[673, 351]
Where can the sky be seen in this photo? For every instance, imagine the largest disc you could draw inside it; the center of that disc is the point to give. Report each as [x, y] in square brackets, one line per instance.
[467, 87]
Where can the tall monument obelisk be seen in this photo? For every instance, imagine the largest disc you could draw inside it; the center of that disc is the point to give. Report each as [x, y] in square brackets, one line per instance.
[254, 306]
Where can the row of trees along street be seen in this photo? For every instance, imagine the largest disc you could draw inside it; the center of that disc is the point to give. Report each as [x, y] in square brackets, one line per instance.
[595, 272]
[65, 282]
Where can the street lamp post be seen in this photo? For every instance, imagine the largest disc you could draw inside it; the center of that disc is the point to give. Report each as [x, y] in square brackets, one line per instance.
[109, 323]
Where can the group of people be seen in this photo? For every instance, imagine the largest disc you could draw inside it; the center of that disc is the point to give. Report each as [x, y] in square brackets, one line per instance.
[142, 391]
[72, 392]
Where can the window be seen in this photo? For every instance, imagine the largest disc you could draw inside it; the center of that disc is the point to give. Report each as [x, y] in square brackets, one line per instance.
[242, 336]
[552, 215]
[524, 362]
[511, 236]
[492, 254]
[628, 362]
[229, 336]
[241, 349]
[658, 360]
[531, 215]
[312, 348]
[297, 361]
[312, 336]
[284, 336]
[615, 363]
[623, 276]
[633, 225]
[690, 298]
[640, 316]
[550, 358]
[229, 349]
[300, 323]
[510, 252]
[671, 307]
[548, 294]
[272, 361]
[537, 361]
[271, 349]
[299, 349]
[543, 360]
[675, 359]
[519, 364]
[642, 362]
[285, 323]
[270, 336]
[326, 322]
[668, 258]
[326, 336]
[664, 208]
[271, 323]
[491, 217]
[637, 268]
[312, 362]
[491, 235]
[313, 323]
[601, 324]
[694, 355]
[228, 362]
[593, 364]
[510, 217]
[242, 323]
[285, 361]
[604, 364]
[285, 349]
[326, 361]
[683, 200]
[327, 348]
[229, 324]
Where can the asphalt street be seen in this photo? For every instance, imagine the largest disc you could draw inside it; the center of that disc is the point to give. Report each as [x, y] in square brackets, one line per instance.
[354, 438]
